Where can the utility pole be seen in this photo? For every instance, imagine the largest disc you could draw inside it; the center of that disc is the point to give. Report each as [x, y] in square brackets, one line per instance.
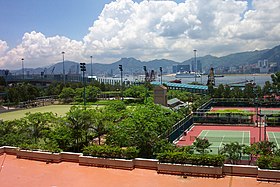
[145, 70]
[121, 69]
[22, 66]
[195, 65]
[160, 69]
[83, 69]
[63, 67]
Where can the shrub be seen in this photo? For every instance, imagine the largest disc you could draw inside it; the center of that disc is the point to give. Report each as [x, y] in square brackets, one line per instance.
[110, 152]
[269, 162]
[195, 159]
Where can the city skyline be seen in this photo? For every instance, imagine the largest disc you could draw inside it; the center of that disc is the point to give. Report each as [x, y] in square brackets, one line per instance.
[39, 31]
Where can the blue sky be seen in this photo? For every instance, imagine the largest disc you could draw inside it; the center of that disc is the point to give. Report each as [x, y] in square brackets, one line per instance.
[38, 30]
[70, 18]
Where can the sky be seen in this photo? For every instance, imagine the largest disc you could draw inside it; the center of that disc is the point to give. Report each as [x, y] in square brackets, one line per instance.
[39, 30]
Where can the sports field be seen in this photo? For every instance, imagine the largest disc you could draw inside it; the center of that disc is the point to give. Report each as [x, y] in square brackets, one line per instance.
[220, 137]
[274, 137]
[59, 110]
[219, 134]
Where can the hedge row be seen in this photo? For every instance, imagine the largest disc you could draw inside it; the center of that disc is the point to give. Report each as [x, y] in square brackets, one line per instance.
[269, 162]
[195, 159]
[110, 152]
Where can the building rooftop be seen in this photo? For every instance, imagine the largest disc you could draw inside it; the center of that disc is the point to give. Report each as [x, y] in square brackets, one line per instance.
[27, 173]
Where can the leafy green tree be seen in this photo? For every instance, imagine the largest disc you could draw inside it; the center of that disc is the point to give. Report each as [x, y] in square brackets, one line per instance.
[141, 127]
[233, 151]
[91, 93]
[236, 93]
[98, 122]
[135, 91]
[67, 95]
[77, 119]
[227, 92]
[267, 88]
[276, 82]
[219, 91]
[38, 124]
[202, 145]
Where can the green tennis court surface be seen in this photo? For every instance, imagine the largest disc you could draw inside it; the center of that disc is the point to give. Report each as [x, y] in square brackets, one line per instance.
[219, 137]
[274, 137]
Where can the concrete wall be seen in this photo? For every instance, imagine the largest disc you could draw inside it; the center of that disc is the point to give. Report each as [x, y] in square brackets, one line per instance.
[166, 168]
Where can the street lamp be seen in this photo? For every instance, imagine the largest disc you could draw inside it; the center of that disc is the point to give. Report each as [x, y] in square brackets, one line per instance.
[6, 81]
[63, 66]
[91, 67]
[264, 127]
[83, 69]
[121, 69]
[146, 77]
[22, 66]
[160, 69]
[195, 65]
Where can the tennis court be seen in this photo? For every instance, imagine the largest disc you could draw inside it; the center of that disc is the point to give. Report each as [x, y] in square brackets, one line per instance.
[220, 137]
[274, 137]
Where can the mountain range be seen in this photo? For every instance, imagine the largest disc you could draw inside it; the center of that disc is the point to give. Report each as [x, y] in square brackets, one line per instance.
[132, 65]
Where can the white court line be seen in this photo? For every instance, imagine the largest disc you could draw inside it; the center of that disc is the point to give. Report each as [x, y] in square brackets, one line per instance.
[276, 140]
[206, 133]
[243, 138]
[221, 142]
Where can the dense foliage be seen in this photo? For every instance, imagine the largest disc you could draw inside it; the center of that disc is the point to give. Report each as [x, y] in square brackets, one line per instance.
[195, 159]
[137, 126]
[110, 151]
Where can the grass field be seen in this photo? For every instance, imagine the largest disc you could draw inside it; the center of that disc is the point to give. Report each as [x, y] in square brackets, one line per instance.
[60, 110]
[219, 137]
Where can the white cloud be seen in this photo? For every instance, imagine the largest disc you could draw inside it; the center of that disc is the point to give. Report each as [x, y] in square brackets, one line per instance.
[158, 29]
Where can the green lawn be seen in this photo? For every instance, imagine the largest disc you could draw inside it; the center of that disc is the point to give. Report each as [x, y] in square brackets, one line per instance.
[60, 110]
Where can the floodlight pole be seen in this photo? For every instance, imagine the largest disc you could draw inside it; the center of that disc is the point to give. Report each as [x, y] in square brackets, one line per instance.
[22, 66]
[63, 67]
[145, 70]
[264, 127]
[83, 69]
[91, 67]
[195, 65]
[121, 70]
[160, 69]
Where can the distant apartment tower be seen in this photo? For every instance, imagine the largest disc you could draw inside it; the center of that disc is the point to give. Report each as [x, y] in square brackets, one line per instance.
[263, 63]
[181, 68]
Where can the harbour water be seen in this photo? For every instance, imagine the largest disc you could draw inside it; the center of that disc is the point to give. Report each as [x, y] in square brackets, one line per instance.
[229, 79]
[259, 79]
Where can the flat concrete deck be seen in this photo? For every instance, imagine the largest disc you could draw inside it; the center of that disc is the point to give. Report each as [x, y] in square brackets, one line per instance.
[27, 173]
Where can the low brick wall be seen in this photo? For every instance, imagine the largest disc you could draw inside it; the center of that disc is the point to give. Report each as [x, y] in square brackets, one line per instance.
[2, 150]
[39, 156]
[10, 150]
[70, 157]
[240, 170]
[106, 162]
[269, 175]
[165, 168]
[184, 169]
[146, 163]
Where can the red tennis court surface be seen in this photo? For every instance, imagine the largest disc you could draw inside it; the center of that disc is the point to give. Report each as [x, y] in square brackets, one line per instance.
[196, 130]
[25, 173]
